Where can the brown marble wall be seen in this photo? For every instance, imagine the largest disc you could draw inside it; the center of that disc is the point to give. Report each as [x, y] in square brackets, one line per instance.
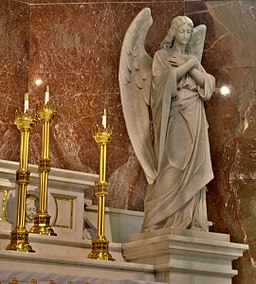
[230, 55]
[74, 46]
[14, 43]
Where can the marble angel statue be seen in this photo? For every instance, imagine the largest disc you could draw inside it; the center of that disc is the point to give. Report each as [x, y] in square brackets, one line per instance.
[172, 86]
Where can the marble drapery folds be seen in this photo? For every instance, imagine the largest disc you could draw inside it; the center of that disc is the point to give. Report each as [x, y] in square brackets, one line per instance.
[175, 88]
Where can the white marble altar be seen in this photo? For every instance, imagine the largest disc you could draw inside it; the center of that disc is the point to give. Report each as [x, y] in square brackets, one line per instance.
[65, 198]
[63, 258]
[28, 266]
[166, 256]
[120, 224]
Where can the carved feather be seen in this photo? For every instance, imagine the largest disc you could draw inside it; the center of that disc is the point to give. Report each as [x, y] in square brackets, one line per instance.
[196, 44]
[135, 85]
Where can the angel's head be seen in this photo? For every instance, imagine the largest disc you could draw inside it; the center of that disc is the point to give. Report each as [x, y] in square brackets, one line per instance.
[177, 22]
[31, 207]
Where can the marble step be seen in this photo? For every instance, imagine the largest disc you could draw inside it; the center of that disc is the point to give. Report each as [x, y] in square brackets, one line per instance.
[27, 266]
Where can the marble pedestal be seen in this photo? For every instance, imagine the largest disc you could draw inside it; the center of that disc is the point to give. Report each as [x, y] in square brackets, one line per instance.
[185, 256]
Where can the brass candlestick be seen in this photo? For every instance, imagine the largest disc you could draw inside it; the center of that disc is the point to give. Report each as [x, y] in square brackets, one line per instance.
[102, 136]
[42, 219]
[19, 236]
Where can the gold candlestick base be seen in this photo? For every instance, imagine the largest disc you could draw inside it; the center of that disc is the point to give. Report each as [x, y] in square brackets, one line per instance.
[42, 225]
[100, 249]
[19, 240]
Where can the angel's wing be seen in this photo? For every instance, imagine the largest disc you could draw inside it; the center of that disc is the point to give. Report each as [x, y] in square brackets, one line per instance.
[196, 44]
[135, 84]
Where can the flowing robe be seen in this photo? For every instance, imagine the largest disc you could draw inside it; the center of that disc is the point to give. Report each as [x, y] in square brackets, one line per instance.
[177, 198]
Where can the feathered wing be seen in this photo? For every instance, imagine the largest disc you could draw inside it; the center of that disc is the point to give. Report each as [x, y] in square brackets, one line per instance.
[135, 84]
[196, 44]
[196, 47]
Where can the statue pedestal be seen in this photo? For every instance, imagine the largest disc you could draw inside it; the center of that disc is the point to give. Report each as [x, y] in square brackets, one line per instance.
[185, 256]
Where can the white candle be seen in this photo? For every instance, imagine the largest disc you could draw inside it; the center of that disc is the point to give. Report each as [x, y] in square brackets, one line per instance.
[104, 118]
[47, 95]
[25, 102]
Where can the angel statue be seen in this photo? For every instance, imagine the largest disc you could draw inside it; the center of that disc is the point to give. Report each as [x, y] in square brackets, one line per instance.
[168, 91]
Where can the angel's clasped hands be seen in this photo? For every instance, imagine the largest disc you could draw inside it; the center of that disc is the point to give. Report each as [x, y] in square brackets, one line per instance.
[177, 60]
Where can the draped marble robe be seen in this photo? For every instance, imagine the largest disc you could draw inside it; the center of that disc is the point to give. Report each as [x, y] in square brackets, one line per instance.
[177, 198]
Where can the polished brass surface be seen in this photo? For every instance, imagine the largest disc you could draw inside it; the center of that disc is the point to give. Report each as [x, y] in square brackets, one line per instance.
[102, 135]
[100, 249]
[5, 192]
[19, 240]
[42, 225]
[14, 281]
[19, 236]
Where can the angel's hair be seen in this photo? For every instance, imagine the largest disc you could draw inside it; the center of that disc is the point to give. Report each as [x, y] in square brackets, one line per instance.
[32, 198]
[176, 23]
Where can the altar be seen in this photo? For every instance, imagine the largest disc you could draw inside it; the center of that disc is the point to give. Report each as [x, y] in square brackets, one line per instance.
[163, 256]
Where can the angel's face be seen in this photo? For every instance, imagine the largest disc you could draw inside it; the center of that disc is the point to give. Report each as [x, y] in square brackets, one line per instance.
[183, 34]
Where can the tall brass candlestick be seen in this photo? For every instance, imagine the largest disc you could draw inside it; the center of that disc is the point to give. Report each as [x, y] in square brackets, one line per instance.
[42, 219]
[102, 136]
[19, 236]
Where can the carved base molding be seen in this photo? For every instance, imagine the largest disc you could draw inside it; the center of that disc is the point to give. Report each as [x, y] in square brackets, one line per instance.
[44, 269]
[14, 280]
[185, 256]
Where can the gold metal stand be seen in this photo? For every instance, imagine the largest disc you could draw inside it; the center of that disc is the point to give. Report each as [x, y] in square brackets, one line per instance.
[19, 236]
[102, 135]
[42, 219]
